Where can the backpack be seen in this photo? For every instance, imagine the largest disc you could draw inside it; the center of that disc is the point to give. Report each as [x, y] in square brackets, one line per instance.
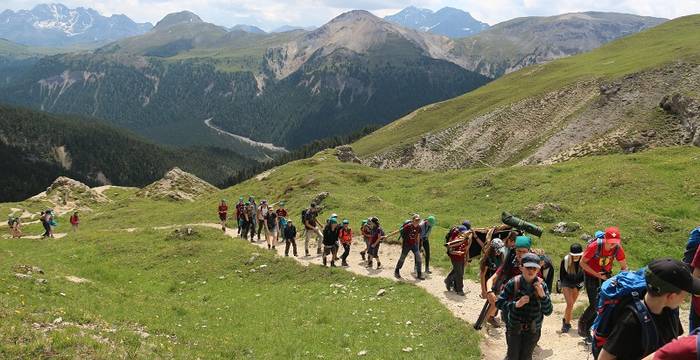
[691, 245]
[625, 290]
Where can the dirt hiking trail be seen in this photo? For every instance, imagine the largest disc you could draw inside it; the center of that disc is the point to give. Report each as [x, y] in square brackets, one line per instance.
[552, 344]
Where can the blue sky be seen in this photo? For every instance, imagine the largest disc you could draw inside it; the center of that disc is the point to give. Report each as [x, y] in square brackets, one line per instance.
[269, 14]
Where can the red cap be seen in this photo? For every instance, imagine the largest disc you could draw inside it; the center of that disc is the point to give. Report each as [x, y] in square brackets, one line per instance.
[612, 235]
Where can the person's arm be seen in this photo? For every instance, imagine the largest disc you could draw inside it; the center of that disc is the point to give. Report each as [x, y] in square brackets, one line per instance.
[542, 293]
[604, 355]
[483, 280]
[623, 265]
[587, 268]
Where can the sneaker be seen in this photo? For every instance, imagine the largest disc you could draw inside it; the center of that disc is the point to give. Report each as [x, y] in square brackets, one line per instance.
[369, 264]
[565, 327]
[332, 263]
[362, 253]
[447, 286]
[397, 275]
[273, 248]
[268, 246]
[460, 293]
[307, 254]
[493, 322]
[420, 277]
[345, 263]
[428, 271]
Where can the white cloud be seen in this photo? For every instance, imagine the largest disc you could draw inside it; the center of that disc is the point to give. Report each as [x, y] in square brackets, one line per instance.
[273, 13]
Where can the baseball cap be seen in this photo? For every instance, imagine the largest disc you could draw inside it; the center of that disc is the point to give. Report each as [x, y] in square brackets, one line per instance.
[575, 250]
[467, 224]
[612, 235]
[462, 228]
[531, 260]
[346, 221]
[497, 244]
[523, 241]
[669, 275]
[431, 220]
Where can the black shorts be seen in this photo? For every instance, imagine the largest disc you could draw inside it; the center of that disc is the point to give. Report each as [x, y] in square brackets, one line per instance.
[374, 251]
[222, 217]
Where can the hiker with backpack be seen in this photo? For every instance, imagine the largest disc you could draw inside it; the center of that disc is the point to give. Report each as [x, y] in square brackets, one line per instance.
[262, 211]
[346, 241]
[311, 227]
[74, 221]
[457, 249]
[271, 227]
[240, 206]
[290, 238]
[410, 236]
[692, 257]
[426, 227]
[526, 301]
[507, 271]
[331, 234]
[375, 238]
[223, 214]
[254, 219]
[249, 221]
[492, 259]
[597, 264]
[365, 230]
[638, 311]
[281, 218]
[570, 282]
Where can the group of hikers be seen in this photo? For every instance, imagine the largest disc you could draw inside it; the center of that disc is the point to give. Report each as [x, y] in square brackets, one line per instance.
[48, 222]
[631, 315]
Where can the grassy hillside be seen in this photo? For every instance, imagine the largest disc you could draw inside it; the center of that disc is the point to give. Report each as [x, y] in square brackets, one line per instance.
[153, 295]
[676, 40]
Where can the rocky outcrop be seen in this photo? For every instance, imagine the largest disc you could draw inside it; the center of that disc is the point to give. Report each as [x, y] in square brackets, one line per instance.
[66, 190]
[346, 154]
[177, 185]
[688, 112]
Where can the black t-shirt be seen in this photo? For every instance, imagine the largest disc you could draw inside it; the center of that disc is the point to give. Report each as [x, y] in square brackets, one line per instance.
[625, 339]
[310, 218]
[330, 236]
[271, 220]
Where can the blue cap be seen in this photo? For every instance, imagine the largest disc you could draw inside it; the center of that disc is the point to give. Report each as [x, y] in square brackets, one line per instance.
[467, 224]
[463, 228]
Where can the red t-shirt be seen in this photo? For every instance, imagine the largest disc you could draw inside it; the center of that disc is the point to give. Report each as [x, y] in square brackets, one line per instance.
[74, 219]
[345, 235]
[696, 264]
[239, 209]
[461, 247]
[683, 348]
[223, 209]
[411, 234]
[605, 261]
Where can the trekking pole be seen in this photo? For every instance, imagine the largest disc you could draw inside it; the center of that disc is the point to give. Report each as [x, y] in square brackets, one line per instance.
[482, 316]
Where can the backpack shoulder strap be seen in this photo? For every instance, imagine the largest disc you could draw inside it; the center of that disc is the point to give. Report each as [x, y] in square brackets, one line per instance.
[598, 248]
[650, 337]
[516, 286]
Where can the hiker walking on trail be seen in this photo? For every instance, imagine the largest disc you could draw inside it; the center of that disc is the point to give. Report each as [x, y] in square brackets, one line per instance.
[426, 227]
[507, 271]
[375, 238]
[526, 300]
[281, 218]
[272, 228]
[457, 249]
[74, 221]
[15, 224]
[290, 238]
[546, 267]
[223, 214]
[493, 258]
[261, 216]
[570, 282]
[240, 207]
[692, 257]
[366, 232]
[597, 264]
[249, 221]
[410, 235]
[644, 316]
[311, 227]
[346, 241]
[331, 235]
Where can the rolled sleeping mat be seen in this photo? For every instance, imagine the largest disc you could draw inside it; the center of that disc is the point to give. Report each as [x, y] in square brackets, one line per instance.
[521, 224]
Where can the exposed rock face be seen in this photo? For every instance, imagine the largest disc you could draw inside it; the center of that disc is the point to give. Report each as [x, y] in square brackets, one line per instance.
[177, 185]
[688, 112]
[346, 154]
[318, 199]
[66, 190]
[586, 118]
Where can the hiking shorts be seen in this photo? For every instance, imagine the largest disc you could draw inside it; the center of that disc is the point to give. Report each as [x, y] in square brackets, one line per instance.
[272, 231]
[374, 251]
[222, 217]
[328, 249]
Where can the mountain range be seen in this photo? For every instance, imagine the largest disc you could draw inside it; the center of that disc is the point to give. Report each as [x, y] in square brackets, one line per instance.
[56, 25]
[447, 21]
[188, 83]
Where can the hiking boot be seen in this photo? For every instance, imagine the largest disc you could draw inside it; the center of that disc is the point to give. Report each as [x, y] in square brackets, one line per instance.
[420, 277]
[379, 265]
[286, 255]
[460, 293]
[397, 275]
[268, 246]
[447, 285]
[345, 263]
[307, 254]
[332, 263]
[273, 248]
[362, 253]
[565, 327]
[369, 264]
[427, 271]
[493, 322]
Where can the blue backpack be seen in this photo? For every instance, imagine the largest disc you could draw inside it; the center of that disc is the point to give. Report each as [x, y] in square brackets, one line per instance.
[691, 245]
[625, 290]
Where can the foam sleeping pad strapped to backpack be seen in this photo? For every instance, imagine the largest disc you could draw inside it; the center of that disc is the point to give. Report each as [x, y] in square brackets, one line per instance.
[692, 245]
[521, 224]
[624, 290]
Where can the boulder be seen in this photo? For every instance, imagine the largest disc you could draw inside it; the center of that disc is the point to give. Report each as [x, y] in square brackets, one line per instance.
[177, 185]
[546, 212]
[345, 153]
[688, 112]
[566, 228]
[318, 199]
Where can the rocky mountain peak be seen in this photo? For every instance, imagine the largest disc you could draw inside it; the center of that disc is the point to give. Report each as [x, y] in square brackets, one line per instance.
[182, 17]
[177, 185]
